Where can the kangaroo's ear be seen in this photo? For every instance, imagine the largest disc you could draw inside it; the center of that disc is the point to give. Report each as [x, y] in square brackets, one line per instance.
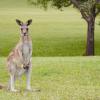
[19, 22]
[29, 22]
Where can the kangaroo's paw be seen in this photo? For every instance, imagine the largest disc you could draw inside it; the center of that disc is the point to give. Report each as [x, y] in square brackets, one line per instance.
[14, 90]
[33, 90]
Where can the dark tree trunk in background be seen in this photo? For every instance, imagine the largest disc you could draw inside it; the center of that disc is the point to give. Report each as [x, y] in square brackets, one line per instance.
[89, 14]
[90, 37]
[90, 33]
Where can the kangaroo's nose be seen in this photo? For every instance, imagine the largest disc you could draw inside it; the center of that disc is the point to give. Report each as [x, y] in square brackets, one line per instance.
[24, 34]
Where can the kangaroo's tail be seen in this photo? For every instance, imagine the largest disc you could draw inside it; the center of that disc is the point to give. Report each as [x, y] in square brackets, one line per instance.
[2, 86]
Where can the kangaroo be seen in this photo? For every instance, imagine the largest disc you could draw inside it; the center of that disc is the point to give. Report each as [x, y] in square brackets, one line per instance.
[19, 59]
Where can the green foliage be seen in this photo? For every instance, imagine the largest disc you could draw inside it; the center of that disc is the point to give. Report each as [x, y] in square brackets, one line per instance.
[58, 3]
[61, 3]
[44, 3]
[98, 6]
[85, 6]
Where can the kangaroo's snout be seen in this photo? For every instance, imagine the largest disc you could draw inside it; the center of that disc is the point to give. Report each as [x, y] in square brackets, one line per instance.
[25, 34]
[24, 30]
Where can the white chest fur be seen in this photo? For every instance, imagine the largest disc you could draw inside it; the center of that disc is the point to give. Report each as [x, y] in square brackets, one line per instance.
[25, 49]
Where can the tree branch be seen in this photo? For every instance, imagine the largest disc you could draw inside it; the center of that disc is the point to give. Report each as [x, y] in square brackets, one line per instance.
[66, 5]
[84, 15]
[77, 5]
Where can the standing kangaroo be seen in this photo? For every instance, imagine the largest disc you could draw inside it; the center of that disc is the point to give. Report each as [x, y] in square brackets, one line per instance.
[19, 60]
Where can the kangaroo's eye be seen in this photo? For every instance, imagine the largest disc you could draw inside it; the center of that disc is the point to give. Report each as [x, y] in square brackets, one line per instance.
[27, 29]
[21, 29]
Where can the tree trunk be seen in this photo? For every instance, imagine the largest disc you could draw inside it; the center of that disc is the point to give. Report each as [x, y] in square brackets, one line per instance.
[90, 37]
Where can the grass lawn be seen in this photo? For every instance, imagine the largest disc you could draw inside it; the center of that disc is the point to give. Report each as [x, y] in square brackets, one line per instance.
[59, 78]
[54, 33]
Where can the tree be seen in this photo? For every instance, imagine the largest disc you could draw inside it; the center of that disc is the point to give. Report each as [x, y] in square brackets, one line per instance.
[89, 9]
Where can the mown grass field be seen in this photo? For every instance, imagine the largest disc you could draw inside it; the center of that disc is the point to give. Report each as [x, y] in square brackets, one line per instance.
[58, 78]
[54, 33]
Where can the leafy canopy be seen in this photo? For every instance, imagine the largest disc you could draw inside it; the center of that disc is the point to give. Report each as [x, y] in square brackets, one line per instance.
[87, 8]
[62, 3]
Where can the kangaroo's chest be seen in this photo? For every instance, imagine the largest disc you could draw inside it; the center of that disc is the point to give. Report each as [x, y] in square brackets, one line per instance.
[25, 49]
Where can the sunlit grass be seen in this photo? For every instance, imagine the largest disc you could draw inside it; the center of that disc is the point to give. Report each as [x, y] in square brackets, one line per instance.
[58, 78]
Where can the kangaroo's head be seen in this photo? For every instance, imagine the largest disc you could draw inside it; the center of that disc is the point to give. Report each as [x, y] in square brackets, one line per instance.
[24, 26]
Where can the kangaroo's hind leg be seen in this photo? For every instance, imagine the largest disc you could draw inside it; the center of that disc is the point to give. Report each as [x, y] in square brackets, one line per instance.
[28, 76]
[11, 85]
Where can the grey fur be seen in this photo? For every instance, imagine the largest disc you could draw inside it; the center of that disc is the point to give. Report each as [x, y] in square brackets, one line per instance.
[19, 60]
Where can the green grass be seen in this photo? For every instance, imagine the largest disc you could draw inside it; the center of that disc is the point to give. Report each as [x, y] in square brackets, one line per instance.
[59, 78]
[13, 3]
[54, 33]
